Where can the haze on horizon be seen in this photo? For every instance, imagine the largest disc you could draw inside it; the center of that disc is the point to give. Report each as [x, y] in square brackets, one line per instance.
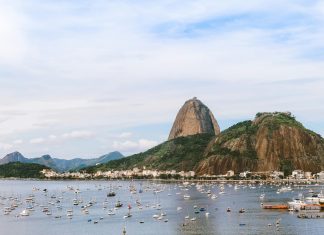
[84, 78]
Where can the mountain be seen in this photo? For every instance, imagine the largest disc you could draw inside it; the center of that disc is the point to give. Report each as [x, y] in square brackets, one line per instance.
[21, 170]
[272, 141]
[61, 164]
[78, 163]
[182, 153]
[194, 118]
[13, 157]
[45, 160]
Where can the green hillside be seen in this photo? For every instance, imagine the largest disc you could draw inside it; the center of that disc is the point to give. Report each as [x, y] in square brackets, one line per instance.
[21, 170]
[182, 153]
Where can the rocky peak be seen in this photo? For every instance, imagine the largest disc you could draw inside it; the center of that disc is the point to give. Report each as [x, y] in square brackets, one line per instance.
[194, 118]
[13, 157]
[46, 157]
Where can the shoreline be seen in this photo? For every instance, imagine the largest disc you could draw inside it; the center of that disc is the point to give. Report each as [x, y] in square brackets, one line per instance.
[304, 181]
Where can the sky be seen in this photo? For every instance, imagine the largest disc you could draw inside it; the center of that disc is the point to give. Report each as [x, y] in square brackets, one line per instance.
[81, 78]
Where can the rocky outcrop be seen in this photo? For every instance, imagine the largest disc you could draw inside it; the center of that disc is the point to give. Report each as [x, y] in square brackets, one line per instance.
[13, 157]
[273, 141]
[194, 118]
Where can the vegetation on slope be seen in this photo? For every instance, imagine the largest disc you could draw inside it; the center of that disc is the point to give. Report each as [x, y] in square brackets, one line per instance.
[182, 153]
[235, 148]
[22, 170]
[244, 130]
[272, 141]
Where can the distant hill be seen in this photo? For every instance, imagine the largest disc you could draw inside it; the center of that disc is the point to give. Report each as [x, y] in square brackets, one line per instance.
[61, 164]
[21, 170]
[272, 141]
[182, 153]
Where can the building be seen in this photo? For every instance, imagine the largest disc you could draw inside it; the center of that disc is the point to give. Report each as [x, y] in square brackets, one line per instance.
[244, 174]
[277, 174]
[298, 174]
[308, 175]
[230, 173]
[320, 175]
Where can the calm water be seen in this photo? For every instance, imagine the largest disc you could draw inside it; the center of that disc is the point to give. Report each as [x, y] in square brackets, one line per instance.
[254, 221]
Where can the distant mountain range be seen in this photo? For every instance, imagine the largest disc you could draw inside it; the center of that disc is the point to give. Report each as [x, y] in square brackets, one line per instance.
[61, 164]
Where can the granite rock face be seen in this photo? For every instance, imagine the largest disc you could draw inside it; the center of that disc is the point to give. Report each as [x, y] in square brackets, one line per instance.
[194, 118]
[272, 141]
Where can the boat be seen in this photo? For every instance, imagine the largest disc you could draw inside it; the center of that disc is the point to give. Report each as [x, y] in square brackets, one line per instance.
[278, 207]
[111, 212]
[129, 210]
[295, 205]
[284, 189]
[75, 202]
[316, 198]
[24, 213]
[311, 207]
[214, 196]
[186, 196]
[118, 204]
[242, 210]
[111, 194]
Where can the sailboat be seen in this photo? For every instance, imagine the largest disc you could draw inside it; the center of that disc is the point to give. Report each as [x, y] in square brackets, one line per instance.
[118, 204]
[111, 193]
[128, 214]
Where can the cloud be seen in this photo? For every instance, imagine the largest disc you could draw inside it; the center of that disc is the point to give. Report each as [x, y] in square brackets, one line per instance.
[134, 146]
[81, 134]
[18, 141]
[37, 140]
[125, 135]
[52, 137]
[5, 146]
[126, 65]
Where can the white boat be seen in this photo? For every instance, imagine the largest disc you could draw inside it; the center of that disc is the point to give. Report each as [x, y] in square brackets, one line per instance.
[315, 198]
[296, 204]
[284, 189]
[24, 213]
[186, 196]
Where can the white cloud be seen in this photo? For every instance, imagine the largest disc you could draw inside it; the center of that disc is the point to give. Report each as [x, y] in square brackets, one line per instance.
[129, 64]
[5, 146]
[134, 146]
[18, 141]
[37, 140]
[125, 135]
[81, 134]
[52, 137]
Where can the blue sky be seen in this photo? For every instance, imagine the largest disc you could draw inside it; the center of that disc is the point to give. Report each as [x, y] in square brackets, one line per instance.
[83, 78]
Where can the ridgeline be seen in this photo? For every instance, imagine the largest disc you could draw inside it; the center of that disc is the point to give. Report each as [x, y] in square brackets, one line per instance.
[272, 141]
